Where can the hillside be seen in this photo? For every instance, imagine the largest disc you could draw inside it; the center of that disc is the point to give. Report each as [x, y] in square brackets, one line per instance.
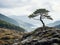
[57, 26]
[54, 23]
[4, 24]
[7, 19]
[50, 36]
[9, 37]
[10, 33]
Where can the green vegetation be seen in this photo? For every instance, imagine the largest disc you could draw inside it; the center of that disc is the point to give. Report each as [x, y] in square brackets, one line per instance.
[8, 19]
[4, 24]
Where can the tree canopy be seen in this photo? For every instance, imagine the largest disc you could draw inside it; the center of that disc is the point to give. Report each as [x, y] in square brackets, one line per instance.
[43, 13]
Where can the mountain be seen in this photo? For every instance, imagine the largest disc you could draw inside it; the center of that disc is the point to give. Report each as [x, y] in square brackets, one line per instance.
[24, 22]
[55, 24]
[7, 19]
[4, 24]
[25, 18]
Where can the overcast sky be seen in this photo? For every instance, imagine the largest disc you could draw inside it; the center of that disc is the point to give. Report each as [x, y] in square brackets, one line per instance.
[26, 7]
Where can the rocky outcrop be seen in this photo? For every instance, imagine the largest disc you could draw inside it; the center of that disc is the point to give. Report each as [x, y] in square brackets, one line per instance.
[50, 36]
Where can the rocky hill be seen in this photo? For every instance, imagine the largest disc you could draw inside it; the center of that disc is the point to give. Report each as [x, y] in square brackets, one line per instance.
[50, 36]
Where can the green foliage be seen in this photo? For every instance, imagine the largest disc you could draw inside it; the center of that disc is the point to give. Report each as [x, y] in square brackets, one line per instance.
[43, 13]
[31, 16]
[40, 11]
[4, 24]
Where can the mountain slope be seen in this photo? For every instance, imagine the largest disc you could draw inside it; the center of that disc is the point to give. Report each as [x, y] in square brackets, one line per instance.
[4, 24]
[7, 19]
[57, 26]
[54, 23]
[9, 37]
[25, 18]
[24, 22]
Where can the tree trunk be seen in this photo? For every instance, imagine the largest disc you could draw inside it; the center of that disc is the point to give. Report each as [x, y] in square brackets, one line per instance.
[42, 22]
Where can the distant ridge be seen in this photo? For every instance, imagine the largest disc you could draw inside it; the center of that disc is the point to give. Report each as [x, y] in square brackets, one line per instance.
[7, 19]
[4, 24]
[55, 24]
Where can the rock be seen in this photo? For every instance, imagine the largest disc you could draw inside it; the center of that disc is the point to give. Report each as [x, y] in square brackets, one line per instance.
[50, 36]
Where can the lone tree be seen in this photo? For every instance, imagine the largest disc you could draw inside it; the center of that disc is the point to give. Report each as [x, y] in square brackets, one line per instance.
[43, 13]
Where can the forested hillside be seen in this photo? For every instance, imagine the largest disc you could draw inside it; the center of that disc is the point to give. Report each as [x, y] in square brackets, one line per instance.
[8, 19]
[4, 24]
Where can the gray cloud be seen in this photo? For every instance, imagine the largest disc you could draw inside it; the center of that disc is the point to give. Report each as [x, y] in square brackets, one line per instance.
[13, 3]
[25, 7]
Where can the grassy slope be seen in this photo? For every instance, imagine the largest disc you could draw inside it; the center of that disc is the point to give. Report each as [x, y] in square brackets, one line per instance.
[8, 36]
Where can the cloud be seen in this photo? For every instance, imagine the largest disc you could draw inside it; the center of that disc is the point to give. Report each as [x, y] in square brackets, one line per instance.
[16, 11]
[26, 7]
[12, 3]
